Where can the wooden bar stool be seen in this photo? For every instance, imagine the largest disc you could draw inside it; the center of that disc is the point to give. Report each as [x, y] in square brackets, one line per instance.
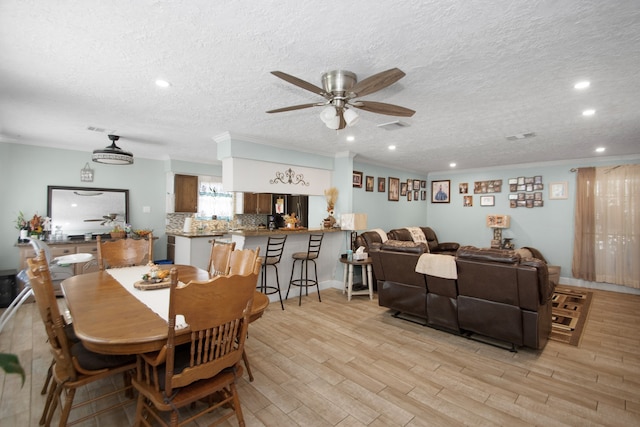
[313, 252]
[275, 248]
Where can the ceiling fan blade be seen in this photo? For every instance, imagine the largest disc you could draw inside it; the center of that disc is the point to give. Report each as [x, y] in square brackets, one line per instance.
[376, 82]
[295, 107]
[383, 108]
[301, 83]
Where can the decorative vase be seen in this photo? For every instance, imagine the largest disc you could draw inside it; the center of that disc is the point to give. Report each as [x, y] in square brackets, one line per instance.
[329, 221]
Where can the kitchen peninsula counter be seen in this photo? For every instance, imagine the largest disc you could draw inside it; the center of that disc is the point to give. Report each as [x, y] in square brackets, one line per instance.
[333, 244]
[266, 232]
[217, 233]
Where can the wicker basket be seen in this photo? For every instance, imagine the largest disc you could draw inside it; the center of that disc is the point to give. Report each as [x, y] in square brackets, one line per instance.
[117, 234]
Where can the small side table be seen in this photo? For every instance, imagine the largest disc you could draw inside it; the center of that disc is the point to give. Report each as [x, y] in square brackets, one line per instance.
[367, 279]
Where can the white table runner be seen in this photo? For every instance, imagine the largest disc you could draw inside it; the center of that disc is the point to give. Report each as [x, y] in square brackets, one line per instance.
[156, 299]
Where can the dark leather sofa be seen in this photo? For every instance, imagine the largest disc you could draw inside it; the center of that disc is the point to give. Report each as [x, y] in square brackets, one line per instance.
[435, 247]
[372, 242]
[497, 294]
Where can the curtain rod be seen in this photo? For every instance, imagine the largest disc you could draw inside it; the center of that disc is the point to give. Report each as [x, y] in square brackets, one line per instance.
[612, 168]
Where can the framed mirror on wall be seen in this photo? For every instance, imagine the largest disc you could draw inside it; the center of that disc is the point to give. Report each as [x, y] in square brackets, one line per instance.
[81, 210]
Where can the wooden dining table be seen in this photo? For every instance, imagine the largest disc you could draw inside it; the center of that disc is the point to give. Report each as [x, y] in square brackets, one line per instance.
[110, 320]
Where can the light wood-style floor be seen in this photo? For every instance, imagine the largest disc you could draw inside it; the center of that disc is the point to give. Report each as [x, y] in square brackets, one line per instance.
[340, 363]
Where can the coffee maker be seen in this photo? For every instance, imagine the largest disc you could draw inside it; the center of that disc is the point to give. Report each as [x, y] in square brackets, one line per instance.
[271, 222]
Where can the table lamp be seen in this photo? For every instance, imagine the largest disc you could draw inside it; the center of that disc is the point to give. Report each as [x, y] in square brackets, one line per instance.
[353, 222]
[498, 223]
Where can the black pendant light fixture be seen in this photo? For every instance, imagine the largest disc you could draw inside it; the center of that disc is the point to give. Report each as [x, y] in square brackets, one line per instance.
[112, 155]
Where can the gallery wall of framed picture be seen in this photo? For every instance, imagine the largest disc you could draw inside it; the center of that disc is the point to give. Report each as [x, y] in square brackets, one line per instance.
[411, 189]
[524, 191]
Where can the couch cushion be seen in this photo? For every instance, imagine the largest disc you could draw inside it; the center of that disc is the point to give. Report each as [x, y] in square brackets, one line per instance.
[404, 246]
[487, 254]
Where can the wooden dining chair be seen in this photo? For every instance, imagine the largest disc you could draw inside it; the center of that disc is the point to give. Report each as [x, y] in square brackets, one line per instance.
[217, 312]
[220, 259]
[74, 366]
[243, 261]
[124, 252]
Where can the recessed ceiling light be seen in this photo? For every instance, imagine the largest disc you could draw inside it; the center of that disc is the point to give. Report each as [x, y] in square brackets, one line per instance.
[452, 165]
[162, 83]
[351, 138]
[582, 85]
[392, 147]
[600, 150]
[588, 112]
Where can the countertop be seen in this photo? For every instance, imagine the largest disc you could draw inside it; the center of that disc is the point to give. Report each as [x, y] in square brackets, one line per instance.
[266, 232]
[218, 233]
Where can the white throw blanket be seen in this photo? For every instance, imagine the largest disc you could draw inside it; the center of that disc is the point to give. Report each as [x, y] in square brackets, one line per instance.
[437, 265]
[157, 299]
[417, 234]
[382, 234]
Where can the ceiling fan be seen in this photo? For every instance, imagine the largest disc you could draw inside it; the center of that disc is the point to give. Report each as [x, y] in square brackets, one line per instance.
[340, 88]
[106, 219]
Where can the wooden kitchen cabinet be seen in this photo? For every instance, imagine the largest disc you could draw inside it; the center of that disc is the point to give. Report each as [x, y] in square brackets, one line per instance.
[256, 203]
[185, 188]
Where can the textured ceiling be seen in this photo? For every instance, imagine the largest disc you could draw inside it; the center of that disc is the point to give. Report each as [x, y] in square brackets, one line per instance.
[476, 72]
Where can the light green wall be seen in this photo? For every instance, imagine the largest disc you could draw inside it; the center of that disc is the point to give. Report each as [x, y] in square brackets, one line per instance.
[549, 228]
[26, 171]
[382, 213]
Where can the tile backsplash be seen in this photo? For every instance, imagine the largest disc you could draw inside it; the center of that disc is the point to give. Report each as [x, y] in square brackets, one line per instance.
[175, 222]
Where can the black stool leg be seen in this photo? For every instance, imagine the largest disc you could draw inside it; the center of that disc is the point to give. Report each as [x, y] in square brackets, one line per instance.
[293, 268]
[278, 282]
[302, 267]
[315, 268]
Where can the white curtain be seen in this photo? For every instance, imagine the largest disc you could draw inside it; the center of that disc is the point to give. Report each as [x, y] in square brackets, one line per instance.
[617, 225]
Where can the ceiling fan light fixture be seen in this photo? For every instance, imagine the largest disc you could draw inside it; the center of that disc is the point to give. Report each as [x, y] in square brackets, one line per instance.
[351, 117]
[334, 123]
[112, 155]
[328, 114]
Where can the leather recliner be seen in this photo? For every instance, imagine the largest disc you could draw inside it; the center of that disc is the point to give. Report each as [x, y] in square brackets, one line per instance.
[502, 297]
[496, 294]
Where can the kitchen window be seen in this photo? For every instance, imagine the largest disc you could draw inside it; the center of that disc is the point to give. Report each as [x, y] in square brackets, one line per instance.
[213, 200]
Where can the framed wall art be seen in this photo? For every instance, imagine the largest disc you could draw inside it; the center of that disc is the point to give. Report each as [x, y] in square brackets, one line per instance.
[440, 191]
[381, 184]
[487, 200]
[394, 189]
[369, 184]
[403, 189]
[357, 179]
[558, 190]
